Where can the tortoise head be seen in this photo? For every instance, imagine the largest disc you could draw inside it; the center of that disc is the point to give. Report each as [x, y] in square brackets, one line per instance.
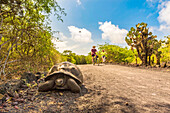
[59, 82]
[60, 79]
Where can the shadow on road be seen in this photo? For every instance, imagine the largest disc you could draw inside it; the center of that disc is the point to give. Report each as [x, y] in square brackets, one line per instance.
[158, 107]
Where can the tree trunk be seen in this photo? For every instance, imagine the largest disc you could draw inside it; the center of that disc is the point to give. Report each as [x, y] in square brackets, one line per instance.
[158, 60]
[1, 24]
[146, 61]
[149, 60]
[153, 60]
[158, 56]
[139, 55]
[146, 52]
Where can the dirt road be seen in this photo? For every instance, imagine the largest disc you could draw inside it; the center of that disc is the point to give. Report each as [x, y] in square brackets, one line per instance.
[106, 89]
[114, 88]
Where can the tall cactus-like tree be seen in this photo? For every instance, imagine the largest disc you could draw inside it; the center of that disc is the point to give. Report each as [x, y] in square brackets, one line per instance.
[154, 45]
[141, 39]
[165, 56]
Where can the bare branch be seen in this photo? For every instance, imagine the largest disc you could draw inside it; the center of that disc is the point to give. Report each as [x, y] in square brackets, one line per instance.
[6, 42]
[3, 68]
[1, 24]
[13, 61]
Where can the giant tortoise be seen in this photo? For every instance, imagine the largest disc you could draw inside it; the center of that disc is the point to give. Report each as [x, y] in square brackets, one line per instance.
[63, 76]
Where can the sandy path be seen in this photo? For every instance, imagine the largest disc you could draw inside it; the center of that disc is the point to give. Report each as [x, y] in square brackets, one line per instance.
[114, 88]
[106, 89]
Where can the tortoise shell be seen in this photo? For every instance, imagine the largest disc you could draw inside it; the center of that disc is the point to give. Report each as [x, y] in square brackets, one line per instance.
[65, 68]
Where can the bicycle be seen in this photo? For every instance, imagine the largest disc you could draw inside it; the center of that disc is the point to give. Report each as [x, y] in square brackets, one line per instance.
[96, 60]
[103, 59]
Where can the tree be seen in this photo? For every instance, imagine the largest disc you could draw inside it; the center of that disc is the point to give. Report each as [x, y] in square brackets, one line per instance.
[165, 56]
[153, 49]
[142, 40]
[24, 33]
[117, 54]
[69, 56]
[73, 58]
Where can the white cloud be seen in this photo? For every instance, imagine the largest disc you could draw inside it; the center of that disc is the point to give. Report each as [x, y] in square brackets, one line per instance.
[60, 45]
[161, 5]
[80, 35]
[152, 3]
[100, 23]
[152, 29]
[78, 2]
[79, 42]
[163, 9]
[165, 29]
[113, 33]
[155, 3]
[62, 36]
[164, 17]
[149, 0]
[164, 14]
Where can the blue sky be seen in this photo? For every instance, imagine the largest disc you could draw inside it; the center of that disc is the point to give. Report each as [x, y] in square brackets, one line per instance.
[108, 21]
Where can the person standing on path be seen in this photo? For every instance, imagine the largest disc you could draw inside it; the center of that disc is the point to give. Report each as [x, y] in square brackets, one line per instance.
[93, 53]
[103, 53]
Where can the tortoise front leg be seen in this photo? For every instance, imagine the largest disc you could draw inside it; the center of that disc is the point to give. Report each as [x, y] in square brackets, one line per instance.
[73, 86]
[48, 85]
